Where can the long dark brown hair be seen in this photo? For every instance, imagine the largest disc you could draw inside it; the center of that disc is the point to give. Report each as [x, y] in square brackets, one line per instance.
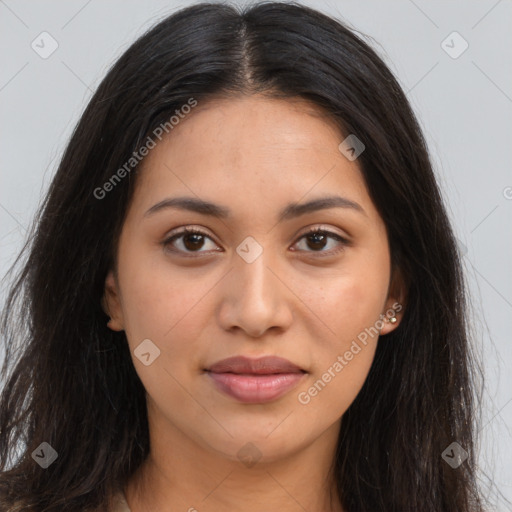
[70, 381]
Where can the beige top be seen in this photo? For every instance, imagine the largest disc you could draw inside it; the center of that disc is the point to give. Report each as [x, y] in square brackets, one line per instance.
[120, 503]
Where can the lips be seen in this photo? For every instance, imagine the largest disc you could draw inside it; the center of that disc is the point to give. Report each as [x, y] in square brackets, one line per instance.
[255, 380]
[262, 366]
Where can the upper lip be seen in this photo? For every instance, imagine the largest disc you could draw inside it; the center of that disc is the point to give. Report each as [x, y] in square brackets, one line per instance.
[261, 366]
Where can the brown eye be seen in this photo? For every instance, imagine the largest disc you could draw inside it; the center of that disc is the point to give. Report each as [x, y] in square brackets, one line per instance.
[316, 240]
[191, 241]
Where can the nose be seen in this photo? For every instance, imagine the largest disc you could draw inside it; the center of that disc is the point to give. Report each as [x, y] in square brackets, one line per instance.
[255, 298]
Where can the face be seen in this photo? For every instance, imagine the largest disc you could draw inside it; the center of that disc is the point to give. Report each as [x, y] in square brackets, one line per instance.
[267, 276]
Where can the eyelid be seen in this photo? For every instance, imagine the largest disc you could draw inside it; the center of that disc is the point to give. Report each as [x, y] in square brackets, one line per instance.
[183, 230]
[344, 240]
[326, 229]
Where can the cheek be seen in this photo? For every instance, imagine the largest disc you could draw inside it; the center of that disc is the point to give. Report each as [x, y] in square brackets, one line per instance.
[349, 306]
[345, 304]
[331, 391]
[168, 312]
[167, 307]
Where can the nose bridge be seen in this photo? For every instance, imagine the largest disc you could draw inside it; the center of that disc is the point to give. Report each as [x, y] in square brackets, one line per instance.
[253, 281]
[254, 300]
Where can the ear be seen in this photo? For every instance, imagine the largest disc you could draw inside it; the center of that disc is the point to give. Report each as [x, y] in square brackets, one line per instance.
[111, 303]
[395, 303]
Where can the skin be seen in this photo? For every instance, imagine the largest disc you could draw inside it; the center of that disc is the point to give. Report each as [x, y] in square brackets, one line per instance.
[254, 155]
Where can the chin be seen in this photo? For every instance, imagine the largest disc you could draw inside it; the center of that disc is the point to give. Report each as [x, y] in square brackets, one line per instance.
[256, 444]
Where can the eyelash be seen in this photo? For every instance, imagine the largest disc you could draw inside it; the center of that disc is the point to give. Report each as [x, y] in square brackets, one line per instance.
[315, 230]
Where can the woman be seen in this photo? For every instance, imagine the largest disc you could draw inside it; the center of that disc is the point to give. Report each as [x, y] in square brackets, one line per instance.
[243, 289]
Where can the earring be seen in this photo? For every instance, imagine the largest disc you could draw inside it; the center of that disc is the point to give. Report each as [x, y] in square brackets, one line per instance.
[391, 319]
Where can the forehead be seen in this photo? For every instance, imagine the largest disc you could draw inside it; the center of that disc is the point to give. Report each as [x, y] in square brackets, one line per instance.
[251, 149]
[246, 124]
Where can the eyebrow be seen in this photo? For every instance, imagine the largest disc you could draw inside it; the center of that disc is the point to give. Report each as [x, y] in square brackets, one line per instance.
[290, 211]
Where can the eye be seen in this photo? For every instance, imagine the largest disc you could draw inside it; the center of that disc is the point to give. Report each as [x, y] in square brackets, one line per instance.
[192, 240]
[317, 238]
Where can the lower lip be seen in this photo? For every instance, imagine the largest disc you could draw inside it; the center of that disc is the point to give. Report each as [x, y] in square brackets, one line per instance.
[255, 389]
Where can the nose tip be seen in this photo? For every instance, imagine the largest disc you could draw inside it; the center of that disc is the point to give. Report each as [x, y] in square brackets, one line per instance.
[255, 300]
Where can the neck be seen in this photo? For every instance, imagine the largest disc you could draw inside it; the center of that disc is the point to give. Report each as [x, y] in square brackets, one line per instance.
[190, 477]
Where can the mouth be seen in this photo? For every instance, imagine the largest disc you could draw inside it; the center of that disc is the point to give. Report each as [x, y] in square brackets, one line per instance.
[255, 381]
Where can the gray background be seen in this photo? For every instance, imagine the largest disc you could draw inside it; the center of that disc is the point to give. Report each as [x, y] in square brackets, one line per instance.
[464, 105]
